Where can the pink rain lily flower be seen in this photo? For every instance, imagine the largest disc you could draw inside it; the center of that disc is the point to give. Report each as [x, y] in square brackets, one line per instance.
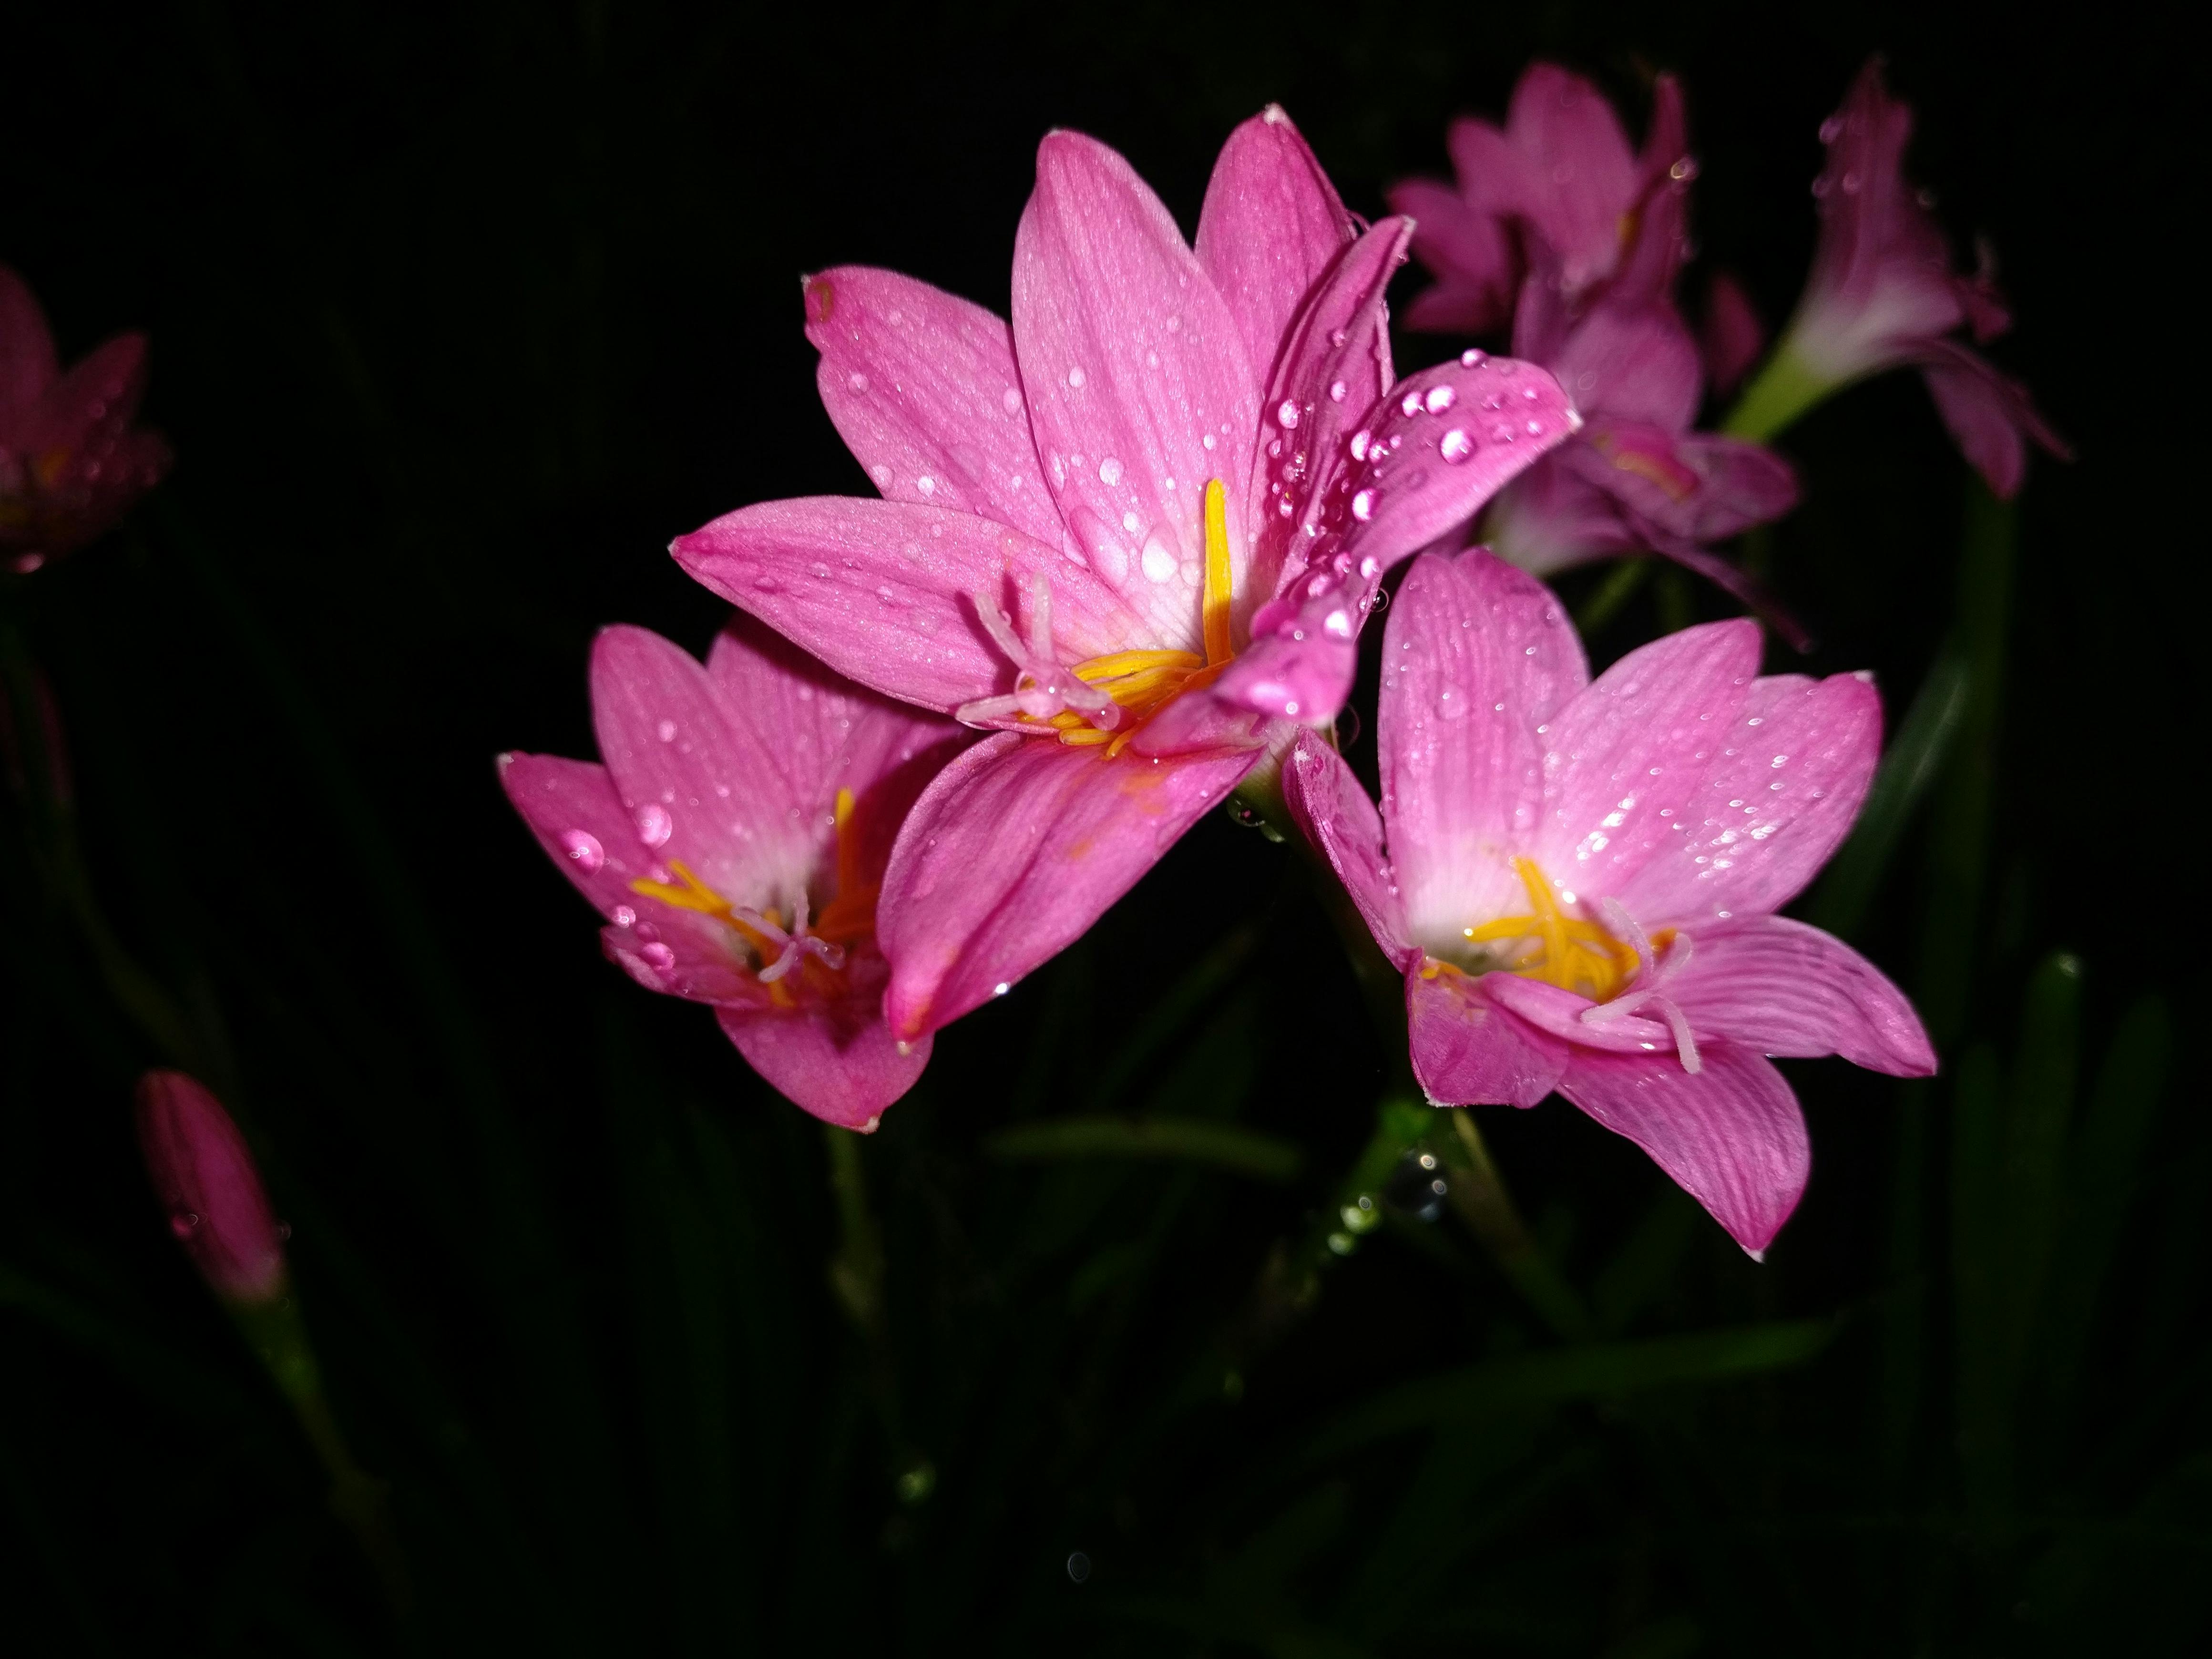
[208, 1185]
[70, 463]
[1578, 878]
[1882, 295]
[735, 840]
[1601, 244]
[1134, 535]
[1561, 173]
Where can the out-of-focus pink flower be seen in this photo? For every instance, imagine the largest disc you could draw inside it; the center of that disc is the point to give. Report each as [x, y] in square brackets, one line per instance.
[1135, 534]
[206, 1180]
[70, 463]
[1882, 293]
[1638, 479]
[1579, 879]
[1561, 170]
[735, 840]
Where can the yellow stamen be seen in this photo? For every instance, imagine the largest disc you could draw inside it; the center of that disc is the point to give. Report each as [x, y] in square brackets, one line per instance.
[1216, 609]
[1571, 953]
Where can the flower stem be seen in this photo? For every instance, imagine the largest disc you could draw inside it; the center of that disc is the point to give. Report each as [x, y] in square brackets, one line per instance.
[1783, 389]
[1478, 1193]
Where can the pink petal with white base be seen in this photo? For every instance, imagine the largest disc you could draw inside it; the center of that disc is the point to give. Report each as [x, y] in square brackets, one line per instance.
[922, 387]
[1333, 813]
[1732, 1136]
[1781, 988]
[1011, 855]
[1476, 657]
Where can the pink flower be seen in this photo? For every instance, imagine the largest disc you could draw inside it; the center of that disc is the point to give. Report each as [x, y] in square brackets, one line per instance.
[1135, 534]
[1562, 172]
[205, 1179]
[1581, 877]
[1602, 243]
[1882, 293]
[735, 840]
[70, 463]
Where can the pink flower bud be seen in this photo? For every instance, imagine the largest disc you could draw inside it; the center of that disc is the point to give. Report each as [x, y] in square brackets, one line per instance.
[204, 1177]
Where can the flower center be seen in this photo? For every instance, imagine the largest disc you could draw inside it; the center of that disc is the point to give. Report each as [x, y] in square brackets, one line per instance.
[1552, 945]
[1111, 696]
[812, 956]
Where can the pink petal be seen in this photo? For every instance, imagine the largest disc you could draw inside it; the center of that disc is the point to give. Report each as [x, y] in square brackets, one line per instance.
[884, 593]
[1433, 452]
[1731, 1136]
[1990, 415]
[1132, 363]
[1557, 1013]
[1330, 809]
[1271, 224]
[571, 806]
[1627, 756]
[839, 1063]
[1333, 366]
[823, 733]
[1467, 250]
[1733, 336]
[1784, 780]
[27, 363]
[1582, 173]
[1781, 988]
[1633, 364]
[1014, 852]
[1469, 1051]
[1553, 517]
[697, 789]
[89, 408]
[1476, 655]
[923, 389]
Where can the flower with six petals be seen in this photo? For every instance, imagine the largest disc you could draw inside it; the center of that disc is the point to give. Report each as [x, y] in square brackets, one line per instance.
[735, 840]
[1579, 879]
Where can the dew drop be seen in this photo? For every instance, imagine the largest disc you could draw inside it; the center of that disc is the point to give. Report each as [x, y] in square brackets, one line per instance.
[1440, 398]
[1287, 413]
[1337, 389]
[881, 474]
[926, 485]
[1410, 403]
[624, 916]
[1109, 472]
[1012, 400]
[1360, 442]
[183, 1224]
[1456, 445]
[858, 382]
[1159, 563]
[654, 826]
[1362, 506]
[1470, 358]
[666, 730]
[1075, 378]
[584, 851]
[660, 956]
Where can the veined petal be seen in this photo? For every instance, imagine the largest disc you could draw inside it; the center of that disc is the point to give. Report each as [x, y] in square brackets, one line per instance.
[1559, 1014]
[1784, 779]
[823, 734]
[1139, 385]
[1781, 988]
[1627, 758]
[697, 789]
[1731, 1136]
[1553, 517]
[841, 1064]
[884, 593]
[27, 363]
[1014, 852]
[1467, 250]
[1476, 655]
[1333, 366]
[1331, 811]
[1468, 1050]
[1633, 364]
[1990, 415]
[1271, 224]
[922, 387]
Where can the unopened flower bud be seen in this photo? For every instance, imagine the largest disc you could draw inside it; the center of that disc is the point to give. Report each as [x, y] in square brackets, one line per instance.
[205, 1179]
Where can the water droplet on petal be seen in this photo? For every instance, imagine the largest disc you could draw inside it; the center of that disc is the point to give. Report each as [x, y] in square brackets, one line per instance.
[666, 730]
[1159, 563]
[1012, 400]
[1287, 413]
[1109, 472]
[858, 382]
[1456, 445]
[926, 485]
[1337, 389]
[1440, 398]
[1075, 378]
[624, 916]
[660, 956]
[1471, 357]
[1359, 441]
[1362, 506]
[654, 826]
[584, 851]
[1410, 403]
[183, 1224]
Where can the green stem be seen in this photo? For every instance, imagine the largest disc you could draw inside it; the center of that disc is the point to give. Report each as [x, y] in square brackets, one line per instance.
[1782, 390]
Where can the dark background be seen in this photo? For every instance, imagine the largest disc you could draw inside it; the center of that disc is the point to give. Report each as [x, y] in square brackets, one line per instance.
[459, 314]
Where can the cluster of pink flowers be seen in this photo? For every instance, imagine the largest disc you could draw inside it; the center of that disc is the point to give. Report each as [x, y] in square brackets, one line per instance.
[1123, 549]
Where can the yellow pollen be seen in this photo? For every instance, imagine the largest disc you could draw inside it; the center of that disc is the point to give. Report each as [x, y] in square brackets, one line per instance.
[1145, 682]
[1569, 953]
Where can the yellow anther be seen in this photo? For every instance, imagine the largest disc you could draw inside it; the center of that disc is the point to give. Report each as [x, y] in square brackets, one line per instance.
[1569, 953]
[1216, 612]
